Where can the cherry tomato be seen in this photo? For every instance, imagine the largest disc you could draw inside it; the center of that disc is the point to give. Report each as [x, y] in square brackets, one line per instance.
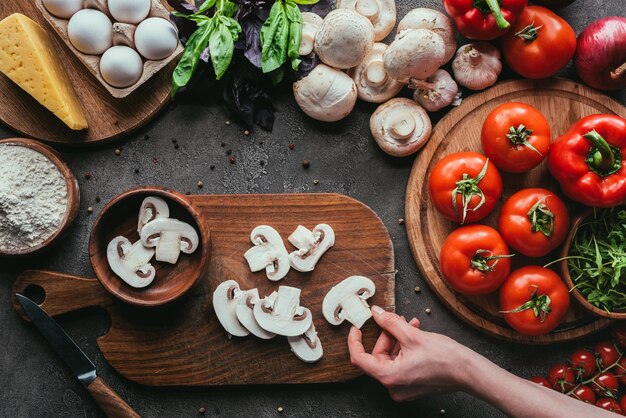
[609, 404]
[474, 260]
[584, 363]
[622, 403]
[534, 300]
[584, 393]
[620, 370]
[619, 334]
[516, 137]
[541, 381]
[539, 44]
[534, 222]
[605, 384]
[465, 186]
[562, 378]
[607, 353]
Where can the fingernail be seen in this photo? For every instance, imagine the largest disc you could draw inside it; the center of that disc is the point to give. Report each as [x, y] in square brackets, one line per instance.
[377, 309]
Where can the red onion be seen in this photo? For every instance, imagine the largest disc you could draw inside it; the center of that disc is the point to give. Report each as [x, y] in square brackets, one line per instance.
[601, 55]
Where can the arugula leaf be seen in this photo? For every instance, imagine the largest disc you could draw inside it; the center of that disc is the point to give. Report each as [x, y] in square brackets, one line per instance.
[188, 63]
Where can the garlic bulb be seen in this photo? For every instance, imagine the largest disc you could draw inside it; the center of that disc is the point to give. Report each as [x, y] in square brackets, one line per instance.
[436, 92]
[477, 66]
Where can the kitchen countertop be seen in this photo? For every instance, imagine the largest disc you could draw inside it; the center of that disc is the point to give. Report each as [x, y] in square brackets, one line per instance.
[345, 159]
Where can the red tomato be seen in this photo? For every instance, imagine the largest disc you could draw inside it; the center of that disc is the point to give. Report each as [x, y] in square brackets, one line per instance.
[516, 137]
[584, 363]
[541, 381]
[609, 404]
[622, 403]
[620, 370]
[534, 300]
[619, 334]
[539, 44]
[607, 353]
[534, 222]
[465, 186]
[584, 393]
[474, 260]
[605, 384]
[561, 378]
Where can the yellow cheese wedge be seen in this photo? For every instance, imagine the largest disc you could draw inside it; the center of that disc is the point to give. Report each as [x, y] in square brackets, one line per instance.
[28, 57]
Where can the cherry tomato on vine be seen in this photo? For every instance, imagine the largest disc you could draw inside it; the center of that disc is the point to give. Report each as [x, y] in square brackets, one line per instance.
[620, 371]
[534, 222]
[534, 300]
[605, 384]
[541, 381]
[584, 363]
[622, 403]
[606, 353]
[539, 44]
[609, 404]
[474, 260]
[465, 186]
[619, 334]
[584, 393]
[562, 378]
[516, 137]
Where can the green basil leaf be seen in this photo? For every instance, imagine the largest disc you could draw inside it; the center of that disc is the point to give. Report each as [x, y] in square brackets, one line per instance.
[222, 44]
[274, 38]
[188, 63]
[205, 6]
[295, 33]
[305, 2]
[228, 8]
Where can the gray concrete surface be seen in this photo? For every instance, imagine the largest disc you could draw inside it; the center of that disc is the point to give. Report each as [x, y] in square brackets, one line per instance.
[35, 383]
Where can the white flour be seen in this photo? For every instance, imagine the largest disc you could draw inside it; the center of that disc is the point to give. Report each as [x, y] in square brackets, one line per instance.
[33, 197]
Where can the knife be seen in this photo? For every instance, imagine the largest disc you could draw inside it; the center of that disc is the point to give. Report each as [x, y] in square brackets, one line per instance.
[109, 401]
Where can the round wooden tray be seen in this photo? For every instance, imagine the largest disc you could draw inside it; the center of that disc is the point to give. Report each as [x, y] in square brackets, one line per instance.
[109, 118]
[563, 102]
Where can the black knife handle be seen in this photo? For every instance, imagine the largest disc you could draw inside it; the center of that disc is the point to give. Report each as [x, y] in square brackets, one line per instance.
[109, 401]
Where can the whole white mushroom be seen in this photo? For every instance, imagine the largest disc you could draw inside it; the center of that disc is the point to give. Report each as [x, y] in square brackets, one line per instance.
[372, 81]
[433, 20]
[382, 14]
[415, 53]
[311, 23]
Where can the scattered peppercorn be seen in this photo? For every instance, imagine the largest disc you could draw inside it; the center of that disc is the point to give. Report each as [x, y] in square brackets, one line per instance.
[400, 221]
[246, 132]
[306, 164]
[262, 163]
[223, 144]
[146, 137]
[260, 142]
[136, 171]
[232, 160]
[316, 181]
[428, 311]
[176, 146]
[200, 185]
[174, 140]
[118, 152]
[89, 209]
[227, 123]
[417, 289]
[229, 151]
[88, 176]
[202, 410]
[97, 199]
[292, 146]
[154, 160]
[212, 167]
[280, 409]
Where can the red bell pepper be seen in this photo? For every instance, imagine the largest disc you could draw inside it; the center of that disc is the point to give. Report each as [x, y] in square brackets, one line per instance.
[484, 20]
[589, 161]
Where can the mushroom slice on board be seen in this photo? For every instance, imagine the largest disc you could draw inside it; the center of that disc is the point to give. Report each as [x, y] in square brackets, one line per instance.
[311, 246]
[152, 208]
[347, 301]
[245, 314]
[307, 347]
[400, 127]
[433, 20]
[372, 81]
[268, 253]
[283, 315]
[131, 262]
[311, 23]
[382, 14]
[225, 299]
[170, 237]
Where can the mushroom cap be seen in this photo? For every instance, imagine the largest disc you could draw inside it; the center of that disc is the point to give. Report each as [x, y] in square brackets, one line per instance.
[347, 301]
[131, 262]
[152, 231]
[268, 253]
[283, 315]
[434, 20]
[400, 127]
[311, 246]
[245, 314]
[415, 53]
[382, 14]
[225, 300]
[152, 208]
[311, 23]
[326, 94]
[372, 82]
[307, 347]
[344, 39]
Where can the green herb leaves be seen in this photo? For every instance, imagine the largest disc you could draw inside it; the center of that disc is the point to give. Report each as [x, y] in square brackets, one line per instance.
[281, 35]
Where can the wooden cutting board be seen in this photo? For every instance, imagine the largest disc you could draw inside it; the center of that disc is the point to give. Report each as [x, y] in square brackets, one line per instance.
[183, 344]
[109, 118]
[563, 102]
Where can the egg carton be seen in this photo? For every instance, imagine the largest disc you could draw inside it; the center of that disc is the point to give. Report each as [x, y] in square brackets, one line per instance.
[122, 35]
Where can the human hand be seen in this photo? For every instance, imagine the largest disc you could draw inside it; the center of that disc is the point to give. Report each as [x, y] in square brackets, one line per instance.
[410, 362]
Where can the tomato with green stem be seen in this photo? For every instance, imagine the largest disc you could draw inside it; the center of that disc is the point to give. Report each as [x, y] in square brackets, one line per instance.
[584, 363]
[534, 222]
[516, 137]
[534, 300]
[474, 260]
[584, 393]
[605, 384]
[609, 404]
[562, 378]
[606, 353]
[465, 186]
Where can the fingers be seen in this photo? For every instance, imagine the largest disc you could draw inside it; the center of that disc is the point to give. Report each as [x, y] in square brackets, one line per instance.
[364, 361]
[393, 324]
[396, 348]
[384, 345]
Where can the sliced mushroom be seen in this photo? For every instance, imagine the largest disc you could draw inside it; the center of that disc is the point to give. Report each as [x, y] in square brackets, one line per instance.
[245, 314]
[433, 20]
[436, 92]
[382, 14]
[131, 262]
[225, 300]
[283, 315]
[326, 94]
[170, 237]
[347, 301]
[152, 208]
[344, 39]
[415, 53]
[372, 81]
[307, 347]
[268, 253]
[311, 246]
[400, 127]
[311, 23]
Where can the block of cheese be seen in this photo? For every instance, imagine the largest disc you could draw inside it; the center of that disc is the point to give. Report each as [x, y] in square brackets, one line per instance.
[29, 59]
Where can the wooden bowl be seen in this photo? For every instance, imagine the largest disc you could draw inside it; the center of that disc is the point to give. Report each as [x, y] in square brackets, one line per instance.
[73, 197]
[582, 300]
[119, 217]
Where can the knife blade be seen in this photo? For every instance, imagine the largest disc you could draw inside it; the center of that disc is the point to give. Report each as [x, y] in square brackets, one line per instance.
[77, 360]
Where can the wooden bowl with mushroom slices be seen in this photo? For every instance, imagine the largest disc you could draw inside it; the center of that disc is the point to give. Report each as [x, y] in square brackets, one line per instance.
[148, 282]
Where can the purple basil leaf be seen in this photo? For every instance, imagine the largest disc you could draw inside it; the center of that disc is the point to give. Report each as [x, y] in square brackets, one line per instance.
[206, 55]
[185, 27]
[264, 114]
[321, 8]
[181, 6]
[307, 64]
[201, 86]
[251, 27]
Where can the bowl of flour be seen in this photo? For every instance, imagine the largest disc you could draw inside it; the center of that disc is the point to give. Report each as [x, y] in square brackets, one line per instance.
[39, 197]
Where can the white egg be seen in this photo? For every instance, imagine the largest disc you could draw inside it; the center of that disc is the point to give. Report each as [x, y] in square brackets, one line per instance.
[156, 38]
[90, 31]
[129, 11]
[121, 66]
[63, 8]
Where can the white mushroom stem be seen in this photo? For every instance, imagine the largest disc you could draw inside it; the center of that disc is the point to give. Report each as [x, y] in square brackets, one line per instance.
[170, 237]
[347, 301]
[311, 246]
[400, 125]
[372, 81]
[283, 315]
[375, 73]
